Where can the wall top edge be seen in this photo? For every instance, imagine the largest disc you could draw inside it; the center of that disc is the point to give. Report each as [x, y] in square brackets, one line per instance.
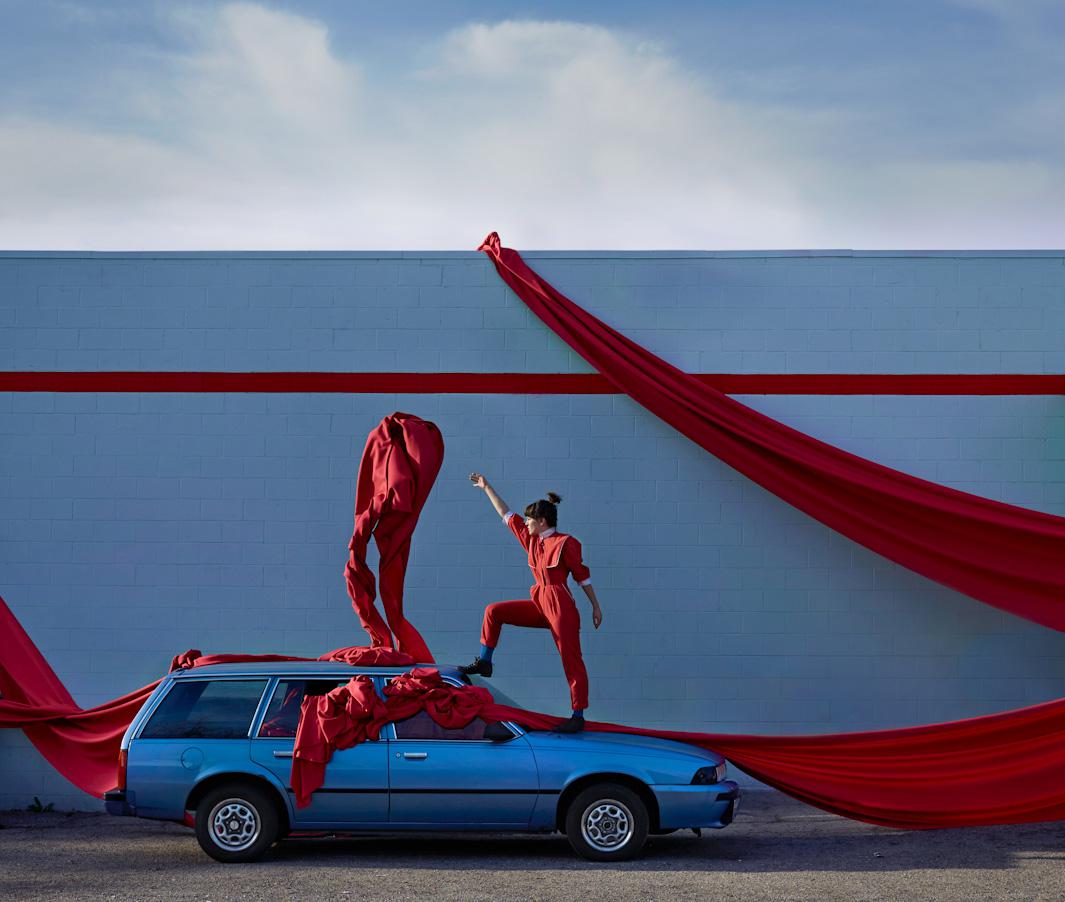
[529, 254]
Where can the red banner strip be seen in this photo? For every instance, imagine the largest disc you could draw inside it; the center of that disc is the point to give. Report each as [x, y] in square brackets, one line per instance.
[529, 383]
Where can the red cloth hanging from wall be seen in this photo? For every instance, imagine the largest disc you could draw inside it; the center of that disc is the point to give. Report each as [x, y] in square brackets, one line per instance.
[1006, 556]
[399, 466]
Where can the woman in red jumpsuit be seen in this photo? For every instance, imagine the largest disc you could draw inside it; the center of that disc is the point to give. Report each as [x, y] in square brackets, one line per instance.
[552, 557]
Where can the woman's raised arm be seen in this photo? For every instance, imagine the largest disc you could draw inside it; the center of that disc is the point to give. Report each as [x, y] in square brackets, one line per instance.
[498, 503]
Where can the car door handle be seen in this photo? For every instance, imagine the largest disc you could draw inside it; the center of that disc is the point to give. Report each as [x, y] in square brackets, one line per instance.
[416, 756]
[282, 754]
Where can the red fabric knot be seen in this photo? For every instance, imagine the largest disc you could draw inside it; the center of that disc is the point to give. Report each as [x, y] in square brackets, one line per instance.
[491, 244]
[185, 660]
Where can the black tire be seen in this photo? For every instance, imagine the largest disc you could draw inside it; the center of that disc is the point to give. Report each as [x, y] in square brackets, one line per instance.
[253, 824]
[607, 822]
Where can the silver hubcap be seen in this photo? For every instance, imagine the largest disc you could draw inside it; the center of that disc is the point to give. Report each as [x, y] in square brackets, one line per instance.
[234, 825]
[607, 825]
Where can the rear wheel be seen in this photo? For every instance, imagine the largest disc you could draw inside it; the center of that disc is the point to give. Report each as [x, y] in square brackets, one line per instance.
[607, 822]
[237, 822]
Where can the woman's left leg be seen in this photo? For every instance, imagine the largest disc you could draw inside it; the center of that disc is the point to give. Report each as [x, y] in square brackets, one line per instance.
[561, 613]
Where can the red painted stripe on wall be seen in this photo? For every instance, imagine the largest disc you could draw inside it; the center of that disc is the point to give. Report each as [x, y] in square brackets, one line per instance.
[528, 383]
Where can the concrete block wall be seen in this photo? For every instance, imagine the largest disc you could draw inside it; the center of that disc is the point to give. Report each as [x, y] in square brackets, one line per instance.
[136, 525]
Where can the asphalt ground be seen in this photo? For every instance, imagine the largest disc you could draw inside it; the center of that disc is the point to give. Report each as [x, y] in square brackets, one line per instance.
[777, 849]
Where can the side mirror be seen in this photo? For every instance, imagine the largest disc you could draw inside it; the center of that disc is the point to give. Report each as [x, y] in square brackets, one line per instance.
[496, 732]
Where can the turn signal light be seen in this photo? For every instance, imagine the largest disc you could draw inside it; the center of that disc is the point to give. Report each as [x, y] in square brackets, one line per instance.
[705, 776]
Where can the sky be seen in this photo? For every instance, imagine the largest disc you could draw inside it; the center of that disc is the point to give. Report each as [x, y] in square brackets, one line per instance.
[622, 125]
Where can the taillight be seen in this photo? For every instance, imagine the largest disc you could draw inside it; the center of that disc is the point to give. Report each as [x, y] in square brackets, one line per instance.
[122, 758]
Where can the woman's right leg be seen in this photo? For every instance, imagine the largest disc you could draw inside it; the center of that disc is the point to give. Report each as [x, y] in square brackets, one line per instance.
[515, 613]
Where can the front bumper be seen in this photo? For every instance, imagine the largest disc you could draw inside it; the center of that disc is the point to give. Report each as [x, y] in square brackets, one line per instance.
[696, 806]
[120, 802]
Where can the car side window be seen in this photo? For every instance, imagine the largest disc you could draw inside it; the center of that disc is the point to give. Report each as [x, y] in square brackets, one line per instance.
[283, 715]
[422, 726]
[206, 709]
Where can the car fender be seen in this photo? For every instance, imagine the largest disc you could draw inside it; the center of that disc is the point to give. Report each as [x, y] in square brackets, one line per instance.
[615, 766]
[250, 770]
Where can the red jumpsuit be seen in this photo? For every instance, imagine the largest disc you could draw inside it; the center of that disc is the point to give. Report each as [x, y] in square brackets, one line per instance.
[552, 558]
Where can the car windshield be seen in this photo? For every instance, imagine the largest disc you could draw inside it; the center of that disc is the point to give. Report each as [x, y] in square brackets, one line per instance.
[501, 698]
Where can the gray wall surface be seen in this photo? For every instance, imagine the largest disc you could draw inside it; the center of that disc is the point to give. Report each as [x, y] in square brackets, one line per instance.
[136, 525]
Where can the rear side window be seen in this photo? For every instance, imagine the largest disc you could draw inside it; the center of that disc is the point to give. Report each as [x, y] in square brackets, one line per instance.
[283, 715]
[206, 709]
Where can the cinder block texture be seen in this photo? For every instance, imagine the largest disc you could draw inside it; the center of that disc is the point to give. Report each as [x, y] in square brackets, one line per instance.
[135, 526]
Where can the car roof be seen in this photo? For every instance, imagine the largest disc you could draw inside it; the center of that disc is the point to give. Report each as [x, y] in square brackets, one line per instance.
[301, 668]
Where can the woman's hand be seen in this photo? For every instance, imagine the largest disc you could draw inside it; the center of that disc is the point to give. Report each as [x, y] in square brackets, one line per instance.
[478, 480]
[597, 616]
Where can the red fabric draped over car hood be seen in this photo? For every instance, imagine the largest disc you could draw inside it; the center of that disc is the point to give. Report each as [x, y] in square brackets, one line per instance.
[1006, 556]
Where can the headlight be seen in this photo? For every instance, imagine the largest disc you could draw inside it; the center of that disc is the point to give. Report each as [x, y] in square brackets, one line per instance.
[704, 776]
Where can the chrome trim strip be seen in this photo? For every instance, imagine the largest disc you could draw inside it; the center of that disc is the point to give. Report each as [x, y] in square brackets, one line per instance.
[260, 709]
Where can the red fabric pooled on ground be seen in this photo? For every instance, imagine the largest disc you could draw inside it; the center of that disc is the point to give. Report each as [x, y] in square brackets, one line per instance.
[1003, 555]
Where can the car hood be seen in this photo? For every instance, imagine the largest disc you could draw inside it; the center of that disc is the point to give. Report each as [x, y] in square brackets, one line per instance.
[621, 744]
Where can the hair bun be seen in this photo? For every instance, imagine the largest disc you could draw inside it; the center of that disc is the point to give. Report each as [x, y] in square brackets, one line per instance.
[553, 498]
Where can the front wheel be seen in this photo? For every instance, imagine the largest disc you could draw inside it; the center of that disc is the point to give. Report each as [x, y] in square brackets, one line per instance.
[607, 822]
[237, 822]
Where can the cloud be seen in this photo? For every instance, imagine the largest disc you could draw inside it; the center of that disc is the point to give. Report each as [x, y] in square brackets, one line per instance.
[259, 134]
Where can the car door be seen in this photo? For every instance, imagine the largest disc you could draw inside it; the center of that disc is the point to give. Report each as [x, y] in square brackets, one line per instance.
[457, 778]
[355, 790]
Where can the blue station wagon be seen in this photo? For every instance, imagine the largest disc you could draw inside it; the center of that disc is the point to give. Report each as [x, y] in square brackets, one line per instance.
[212, 748]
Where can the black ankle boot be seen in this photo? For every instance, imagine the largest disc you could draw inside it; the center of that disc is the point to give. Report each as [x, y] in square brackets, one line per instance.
[479, 665]
[573, 724]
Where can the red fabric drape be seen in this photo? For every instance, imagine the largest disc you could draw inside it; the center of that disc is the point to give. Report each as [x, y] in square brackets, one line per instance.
[354, 713]
[345, 716]
[82, 744]
[1006, 556]
[398, 469]
[1000, 769]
